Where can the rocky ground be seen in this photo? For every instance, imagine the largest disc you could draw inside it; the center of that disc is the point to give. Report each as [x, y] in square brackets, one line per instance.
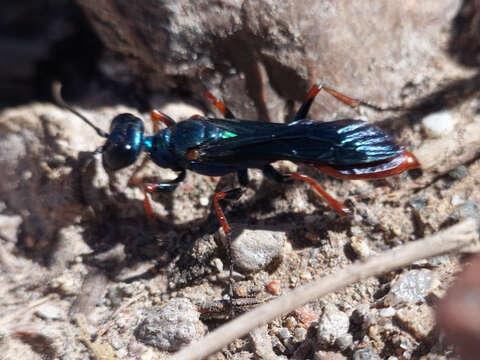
[85, 274]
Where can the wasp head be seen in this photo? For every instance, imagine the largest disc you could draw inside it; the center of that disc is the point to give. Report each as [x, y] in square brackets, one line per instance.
[124, 143]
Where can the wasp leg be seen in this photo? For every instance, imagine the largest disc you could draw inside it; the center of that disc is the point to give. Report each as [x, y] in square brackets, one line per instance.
[165, 186]
[315, 89]
[335, 204]
[242, 176]
[273, 174]
[156, 116]
[354, 103]
[219, 105]
[233, 194]
[302, 112]
[347, 100]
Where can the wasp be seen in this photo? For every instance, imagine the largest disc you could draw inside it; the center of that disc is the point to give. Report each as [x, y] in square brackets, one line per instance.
[346, 148]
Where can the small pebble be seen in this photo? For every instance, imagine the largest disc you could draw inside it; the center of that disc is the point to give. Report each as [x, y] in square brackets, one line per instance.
[203, 201]
[418, 202]
[406, 347]
[410, 287]
[254, 250]
[439, 260]
[283, 333]
[360, 246]
[305, 315]
[468, 209]
[241, 290]
[49, 312]
[387, 312]
[368, 353]
[306, 275]
[218, 264]
[438, 124]
[360, 313]
[300, 334]
[274, 287]
[344, 342]
[9, 227]
[457, 200]
[328, 355]
[459, 173]
[291, 322]
[66, 283]
[116, 293]
[262, 343]
[332, 325]
[149, 354]
[419, 320]
[172, 326]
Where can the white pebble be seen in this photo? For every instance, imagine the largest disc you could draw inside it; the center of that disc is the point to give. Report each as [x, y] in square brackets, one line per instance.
[438, 124]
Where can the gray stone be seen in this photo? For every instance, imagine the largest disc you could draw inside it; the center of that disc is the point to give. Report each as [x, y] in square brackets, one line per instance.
[262, 344]
[300, 334]
[344, 342]
[50, 312]
[328, 355]
[411, 287]
[368, 353]
[9, 227]
[172, 326]
[418, 202]
[332, 325]
[459, 173]
[253, 250]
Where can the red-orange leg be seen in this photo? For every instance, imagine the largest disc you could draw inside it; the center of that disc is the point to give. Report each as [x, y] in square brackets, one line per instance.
[354, 103]
[157, 116]
[148, 189]
[312, 93]
[218, 209]
[347, 100]
[164, 186]
[230, 194]
[336, 205]
[219, 105]
[233, 194]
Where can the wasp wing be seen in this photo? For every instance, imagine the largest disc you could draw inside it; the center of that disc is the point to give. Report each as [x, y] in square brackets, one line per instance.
[341, 142]
[245, 127]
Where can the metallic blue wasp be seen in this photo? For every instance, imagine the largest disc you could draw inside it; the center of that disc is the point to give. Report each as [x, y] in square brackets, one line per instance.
[347, 148]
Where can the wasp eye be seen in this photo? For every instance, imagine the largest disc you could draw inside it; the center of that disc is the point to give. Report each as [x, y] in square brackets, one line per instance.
[124, 143]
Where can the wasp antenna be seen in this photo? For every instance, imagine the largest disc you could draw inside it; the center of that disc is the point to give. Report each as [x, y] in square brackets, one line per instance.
[57, 95]
[382, 109]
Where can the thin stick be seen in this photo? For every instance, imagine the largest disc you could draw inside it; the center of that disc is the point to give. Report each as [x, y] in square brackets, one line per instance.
[451, 239]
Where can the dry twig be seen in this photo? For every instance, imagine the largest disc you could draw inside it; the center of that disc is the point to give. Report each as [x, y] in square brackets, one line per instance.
[101, 350]
[451, 239]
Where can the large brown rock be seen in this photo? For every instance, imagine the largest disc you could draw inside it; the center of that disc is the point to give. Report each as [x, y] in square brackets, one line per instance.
[266, 53]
